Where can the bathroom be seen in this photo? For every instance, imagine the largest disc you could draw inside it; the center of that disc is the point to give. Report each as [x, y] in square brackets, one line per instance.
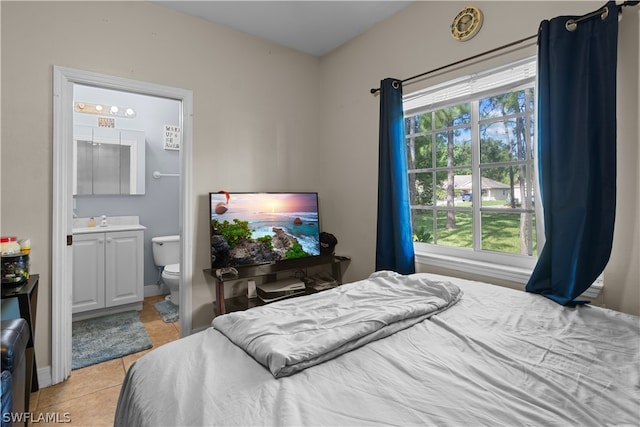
[157, 205]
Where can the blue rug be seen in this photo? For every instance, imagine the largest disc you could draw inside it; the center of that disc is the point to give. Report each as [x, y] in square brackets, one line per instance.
[108, 337]
[168, 311]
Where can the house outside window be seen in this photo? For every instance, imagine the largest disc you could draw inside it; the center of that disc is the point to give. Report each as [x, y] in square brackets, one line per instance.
[472, 172]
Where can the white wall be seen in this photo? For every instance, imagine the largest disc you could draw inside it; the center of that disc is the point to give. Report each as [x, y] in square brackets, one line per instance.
[415, 40]
[265, 117]
[622, 275]
[256, 113]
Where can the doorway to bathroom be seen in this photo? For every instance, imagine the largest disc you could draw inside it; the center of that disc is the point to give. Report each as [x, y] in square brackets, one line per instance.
[66, 83]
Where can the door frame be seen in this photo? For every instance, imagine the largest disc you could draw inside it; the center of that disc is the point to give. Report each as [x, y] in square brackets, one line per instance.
[61, 252]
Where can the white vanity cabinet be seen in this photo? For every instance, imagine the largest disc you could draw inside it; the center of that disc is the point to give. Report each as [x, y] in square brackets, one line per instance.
[107, 270]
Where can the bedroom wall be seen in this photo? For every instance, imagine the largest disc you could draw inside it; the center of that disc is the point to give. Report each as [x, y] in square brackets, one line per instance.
[265, 117]
[255, 113]
[415, 40]
[622, 275]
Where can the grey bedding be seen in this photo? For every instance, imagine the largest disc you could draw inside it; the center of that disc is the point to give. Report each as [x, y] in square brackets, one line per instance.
[498, 357]
[295, 334]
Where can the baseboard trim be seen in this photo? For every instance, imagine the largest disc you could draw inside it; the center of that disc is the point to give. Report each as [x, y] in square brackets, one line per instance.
[153, 290]
[44, 377]
[106, 311]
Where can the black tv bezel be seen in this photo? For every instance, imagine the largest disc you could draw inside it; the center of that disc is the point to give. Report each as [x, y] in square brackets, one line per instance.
[280, 263]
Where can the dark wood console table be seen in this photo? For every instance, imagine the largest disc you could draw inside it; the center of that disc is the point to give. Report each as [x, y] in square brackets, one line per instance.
[27, 295]
[269, 272]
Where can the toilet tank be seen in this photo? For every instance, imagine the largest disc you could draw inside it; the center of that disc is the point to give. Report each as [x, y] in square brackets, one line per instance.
[166, 250]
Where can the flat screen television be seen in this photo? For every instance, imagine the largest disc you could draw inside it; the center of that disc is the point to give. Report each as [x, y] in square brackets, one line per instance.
[262, 228]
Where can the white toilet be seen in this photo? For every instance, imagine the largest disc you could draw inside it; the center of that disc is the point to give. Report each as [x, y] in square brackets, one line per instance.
[166, 253]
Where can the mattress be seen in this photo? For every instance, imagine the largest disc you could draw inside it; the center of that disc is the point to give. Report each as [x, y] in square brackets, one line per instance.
[497, 357]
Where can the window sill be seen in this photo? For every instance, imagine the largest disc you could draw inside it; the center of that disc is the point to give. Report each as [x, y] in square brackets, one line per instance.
[519, 275]
[493, 270]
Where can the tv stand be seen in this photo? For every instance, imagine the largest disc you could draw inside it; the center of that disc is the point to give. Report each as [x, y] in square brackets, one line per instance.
[269, 273]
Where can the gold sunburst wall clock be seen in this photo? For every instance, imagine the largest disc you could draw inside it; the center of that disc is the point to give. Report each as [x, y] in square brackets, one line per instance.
[467, 23]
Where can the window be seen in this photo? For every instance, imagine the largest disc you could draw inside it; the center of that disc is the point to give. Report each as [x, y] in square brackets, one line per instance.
[470, 159]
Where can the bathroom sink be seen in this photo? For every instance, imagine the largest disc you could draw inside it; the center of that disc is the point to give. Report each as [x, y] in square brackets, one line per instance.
[114, 223]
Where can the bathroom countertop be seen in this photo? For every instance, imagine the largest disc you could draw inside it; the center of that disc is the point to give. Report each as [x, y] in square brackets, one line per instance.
[114, 223]
[108, 228]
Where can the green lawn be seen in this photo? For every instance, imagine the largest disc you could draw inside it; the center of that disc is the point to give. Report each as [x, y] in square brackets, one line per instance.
[500, 231]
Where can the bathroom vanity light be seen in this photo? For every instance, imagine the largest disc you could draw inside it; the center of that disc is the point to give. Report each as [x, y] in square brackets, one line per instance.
[110, 110]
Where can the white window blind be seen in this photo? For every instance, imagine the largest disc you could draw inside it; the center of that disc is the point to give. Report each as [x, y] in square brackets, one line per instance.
[475, 85]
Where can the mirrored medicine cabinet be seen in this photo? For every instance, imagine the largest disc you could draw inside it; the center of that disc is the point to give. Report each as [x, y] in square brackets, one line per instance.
[108, 161]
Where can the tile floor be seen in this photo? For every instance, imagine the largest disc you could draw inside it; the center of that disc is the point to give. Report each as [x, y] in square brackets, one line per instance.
[90, 394]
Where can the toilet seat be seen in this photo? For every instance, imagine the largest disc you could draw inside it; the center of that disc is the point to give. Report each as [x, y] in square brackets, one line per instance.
[171, 270]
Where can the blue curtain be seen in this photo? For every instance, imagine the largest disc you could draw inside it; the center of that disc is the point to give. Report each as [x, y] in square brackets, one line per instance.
[577, 152]
[394, 243]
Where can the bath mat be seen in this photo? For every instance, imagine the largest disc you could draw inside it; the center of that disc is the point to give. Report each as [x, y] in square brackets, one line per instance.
[108, 337]
[167, 310]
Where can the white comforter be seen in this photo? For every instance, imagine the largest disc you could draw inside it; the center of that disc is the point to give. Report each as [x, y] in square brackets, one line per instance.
[499, 357]
[292, 335]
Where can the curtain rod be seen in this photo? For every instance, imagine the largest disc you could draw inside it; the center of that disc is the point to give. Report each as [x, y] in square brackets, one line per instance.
[471, 58]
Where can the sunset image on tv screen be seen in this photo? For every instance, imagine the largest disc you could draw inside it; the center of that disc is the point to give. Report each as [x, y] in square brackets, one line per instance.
[255, 228]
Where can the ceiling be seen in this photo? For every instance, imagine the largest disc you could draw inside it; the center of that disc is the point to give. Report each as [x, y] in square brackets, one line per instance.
[313, 27]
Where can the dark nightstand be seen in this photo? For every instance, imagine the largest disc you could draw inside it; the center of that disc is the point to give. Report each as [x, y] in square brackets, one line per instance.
[27, 295]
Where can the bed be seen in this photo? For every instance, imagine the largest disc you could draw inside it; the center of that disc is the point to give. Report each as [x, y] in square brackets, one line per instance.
[479, 355]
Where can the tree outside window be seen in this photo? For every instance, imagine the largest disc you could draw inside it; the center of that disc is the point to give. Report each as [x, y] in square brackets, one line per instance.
[471, 172]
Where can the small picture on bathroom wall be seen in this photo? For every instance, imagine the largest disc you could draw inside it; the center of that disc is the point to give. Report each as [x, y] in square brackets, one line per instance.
[105, 122]
[172, 137]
